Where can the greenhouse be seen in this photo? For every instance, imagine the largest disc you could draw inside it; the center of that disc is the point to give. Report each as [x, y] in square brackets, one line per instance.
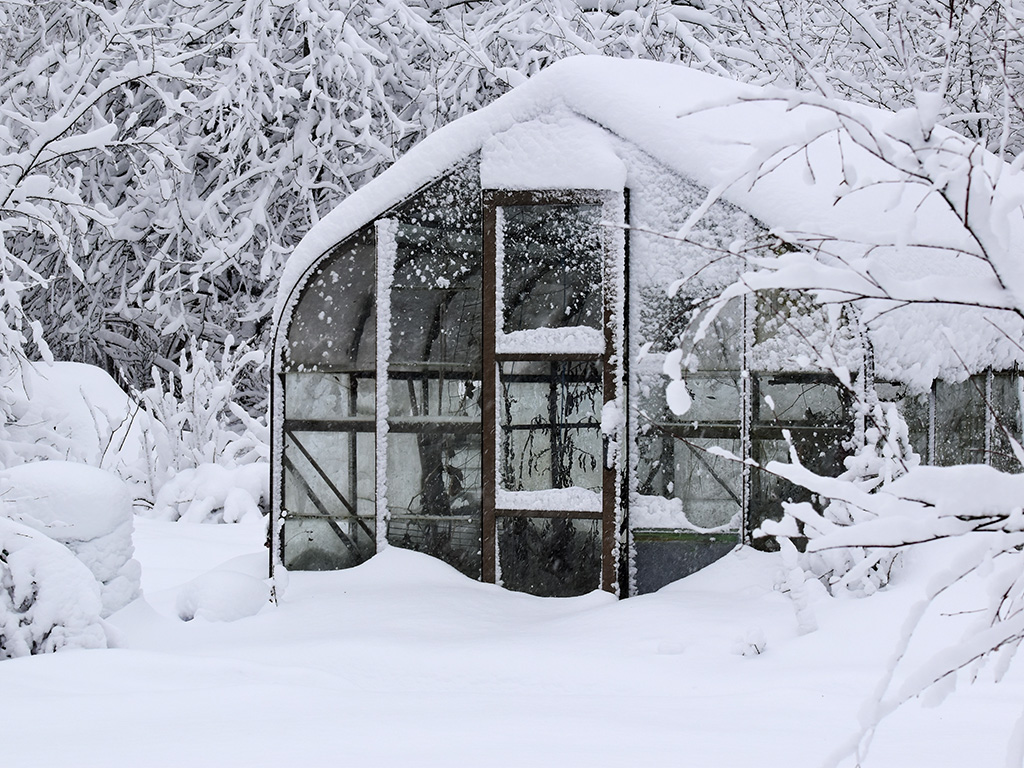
[506, 352]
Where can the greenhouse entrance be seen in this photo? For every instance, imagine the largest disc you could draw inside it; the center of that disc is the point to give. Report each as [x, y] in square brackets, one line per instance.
[551, 505]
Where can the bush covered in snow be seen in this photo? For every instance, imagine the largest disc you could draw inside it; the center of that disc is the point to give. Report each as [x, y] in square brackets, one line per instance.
[48, 599]
[87, 510]
[214, 493]
[885, 456]
[207, 458]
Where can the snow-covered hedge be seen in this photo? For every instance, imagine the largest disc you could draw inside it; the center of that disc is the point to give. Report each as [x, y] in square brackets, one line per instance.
[48, 599]
[86, 509]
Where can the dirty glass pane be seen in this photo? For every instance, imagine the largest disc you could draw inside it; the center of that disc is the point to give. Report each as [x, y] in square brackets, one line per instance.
[333, 324]
[689, 469]
[550, 425]
[791, 400]
[328, 396]
[551, 557]
[552, 265]
[715, 398]
[328, 478]
[433, 396]
[434, 496]
[1006, 408]
[960, 422]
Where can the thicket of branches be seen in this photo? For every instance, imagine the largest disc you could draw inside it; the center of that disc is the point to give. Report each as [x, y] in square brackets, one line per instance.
[160, 158]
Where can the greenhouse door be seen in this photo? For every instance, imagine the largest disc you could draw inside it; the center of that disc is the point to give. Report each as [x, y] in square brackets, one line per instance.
[552, 286]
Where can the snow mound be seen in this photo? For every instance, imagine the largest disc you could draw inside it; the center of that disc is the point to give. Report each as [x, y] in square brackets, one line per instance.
[103, 426]
[214, 493]
[87, 510]
[222, 595]
[49, 601]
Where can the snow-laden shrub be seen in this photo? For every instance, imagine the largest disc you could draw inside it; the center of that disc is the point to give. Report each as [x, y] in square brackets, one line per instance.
[48, 599]
[86, 509]
[213, 493]
[198, 438]
[885, 456]
[82, 414]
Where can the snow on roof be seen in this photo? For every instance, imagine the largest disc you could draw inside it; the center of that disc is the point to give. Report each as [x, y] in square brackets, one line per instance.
[719, 133]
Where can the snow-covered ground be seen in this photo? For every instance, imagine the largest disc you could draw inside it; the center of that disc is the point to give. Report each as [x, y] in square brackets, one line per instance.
[404, 662]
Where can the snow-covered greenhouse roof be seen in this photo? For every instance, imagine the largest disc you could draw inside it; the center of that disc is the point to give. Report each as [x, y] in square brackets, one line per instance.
[787, 162]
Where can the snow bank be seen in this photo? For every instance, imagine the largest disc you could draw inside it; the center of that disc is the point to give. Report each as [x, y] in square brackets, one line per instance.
[48, 599]
[222, 595]
[86, 509]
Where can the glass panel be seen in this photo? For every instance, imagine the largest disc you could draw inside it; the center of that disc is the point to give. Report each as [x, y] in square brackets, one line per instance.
[550, 428]
[663, 319]
[1006, 407]
[823, 451]
[794, 333]
[435, 296]
[549, 557]
[552, 266]
[435, 303]
[960, 422]
[433, 395]
[788, 400]
[721, 347]
[715, 398]
[328, 396]
[326, 544]
[434, 496]
[708, 485]
[433, 443]
[333, 325]
[329, 473]
[328, 476]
